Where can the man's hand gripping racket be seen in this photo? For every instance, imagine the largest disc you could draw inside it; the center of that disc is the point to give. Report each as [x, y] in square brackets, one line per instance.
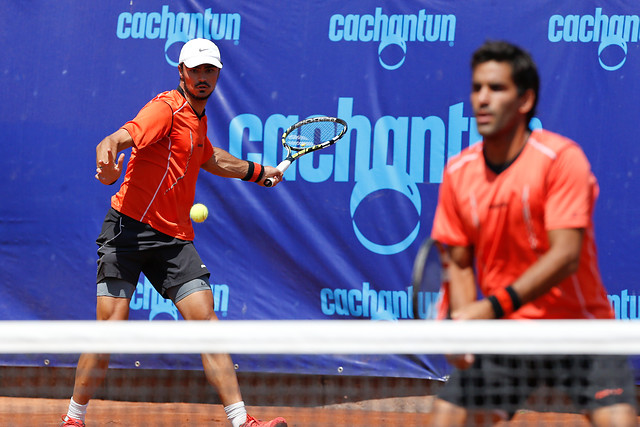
[307, 136]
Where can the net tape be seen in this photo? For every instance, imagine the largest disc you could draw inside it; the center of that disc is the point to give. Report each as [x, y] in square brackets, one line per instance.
[322, 337]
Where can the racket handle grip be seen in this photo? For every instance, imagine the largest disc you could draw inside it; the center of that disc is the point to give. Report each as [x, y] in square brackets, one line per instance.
[283, 166]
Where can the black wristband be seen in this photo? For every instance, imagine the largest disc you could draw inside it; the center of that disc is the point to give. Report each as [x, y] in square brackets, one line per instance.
[515, 299]
[497, 308]
[261, 174]
[249, 174]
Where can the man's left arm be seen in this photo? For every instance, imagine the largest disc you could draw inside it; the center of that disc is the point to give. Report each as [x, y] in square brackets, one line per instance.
[568, 207]
[555, 265]
[558, 263]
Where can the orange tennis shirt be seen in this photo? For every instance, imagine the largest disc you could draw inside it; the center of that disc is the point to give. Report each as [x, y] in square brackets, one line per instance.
[170, 144]
[506, 216]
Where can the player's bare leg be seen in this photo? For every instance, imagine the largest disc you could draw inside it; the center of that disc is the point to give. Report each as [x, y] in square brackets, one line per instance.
[92, 368]
[218, 368]
[622, 415]
[90, 373]
[446, 414]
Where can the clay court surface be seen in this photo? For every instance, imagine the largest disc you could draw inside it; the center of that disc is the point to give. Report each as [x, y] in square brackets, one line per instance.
[16, 411]
[35, 397]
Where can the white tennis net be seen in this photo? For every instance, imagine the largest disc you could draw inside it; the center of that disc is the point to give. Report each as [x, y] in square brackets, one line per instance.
[35, 389]
[323, 337]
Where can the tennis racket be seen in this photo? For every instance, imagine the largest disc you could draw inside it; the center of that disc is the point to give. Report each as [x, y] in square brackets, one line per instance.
[430, 283]
[307, 136]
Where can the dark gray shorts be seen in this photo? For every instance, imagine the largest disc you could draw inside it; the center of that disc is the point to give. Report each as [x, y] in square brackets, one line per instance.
[128, 247]
[505, 382]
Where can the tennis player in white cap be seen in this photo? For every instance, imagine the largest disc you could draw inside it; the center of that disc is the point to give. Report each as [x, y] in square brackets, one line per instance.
[148, 229]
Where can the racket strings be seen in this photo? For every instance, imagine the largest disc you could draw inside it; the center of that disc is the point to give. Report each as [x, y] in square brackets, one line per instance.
[311, 134]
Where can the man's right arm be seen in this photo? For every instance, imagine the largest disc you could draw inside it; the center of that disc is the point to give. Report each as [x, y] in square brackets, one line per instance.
[462, 292]
[107, 169]
[462, 284]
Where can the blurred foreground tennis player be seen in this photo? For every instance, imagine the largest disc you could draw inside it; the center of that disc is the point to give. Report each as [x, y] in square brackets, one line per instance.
[516, 209]
[148, 228]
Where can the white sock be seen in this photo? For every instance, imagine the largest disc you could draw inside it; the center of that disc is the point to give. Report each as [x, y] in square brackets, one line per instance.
[236, 413]
[76, 410]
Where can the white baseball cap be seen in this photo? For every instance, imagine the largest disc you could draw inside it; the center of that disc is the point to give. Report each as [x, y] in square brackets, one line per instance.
[200, 51]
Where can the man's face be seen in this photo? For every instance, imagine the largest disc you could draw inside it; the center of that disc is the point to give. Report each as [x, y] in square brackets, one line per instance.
[494, 99]
[200, 81]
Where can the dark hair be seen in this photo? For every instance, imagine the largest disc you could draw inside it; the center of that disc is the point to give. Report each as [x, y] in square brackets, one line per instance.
[524, 70]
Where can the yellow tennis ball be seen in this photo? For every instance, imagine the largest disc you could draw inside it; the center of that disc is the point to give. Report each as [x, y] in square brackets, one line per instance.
[199, 212]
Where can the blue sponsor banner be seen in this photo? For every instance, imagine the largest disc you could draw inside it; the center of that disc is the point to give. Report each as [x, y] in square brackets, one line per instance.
[337, 239]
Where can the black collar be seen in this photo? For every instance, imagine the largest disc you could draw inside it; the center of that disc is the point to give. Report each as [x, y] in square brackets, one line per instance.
[497, 169]
[199, 116]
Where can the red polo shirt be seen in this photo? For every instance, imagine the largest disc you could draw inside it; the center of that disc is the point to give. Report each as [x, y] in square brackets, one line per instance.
[506, 217]
[170, 145]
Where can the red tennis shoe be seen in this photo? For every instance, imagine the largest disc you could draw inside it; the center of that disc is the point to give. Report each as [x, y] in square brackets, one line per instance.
[252, 422]
[72, 422]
